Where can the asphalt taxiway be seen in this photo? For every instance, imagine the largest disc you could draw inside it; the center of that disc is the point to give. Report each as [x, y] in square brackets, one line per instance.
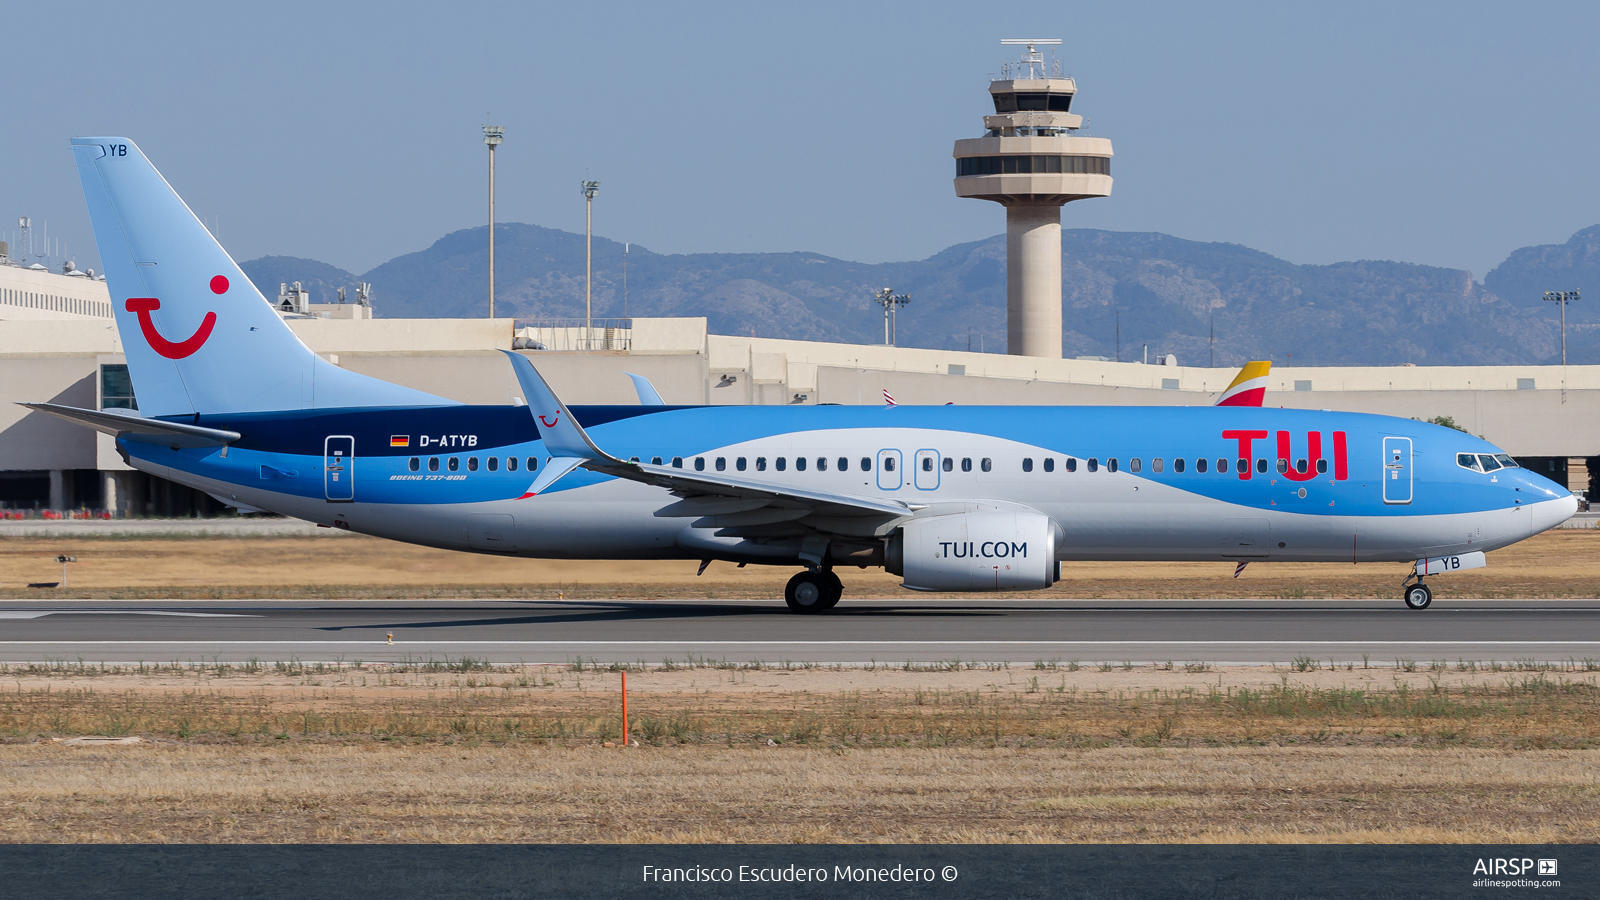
[863, 631]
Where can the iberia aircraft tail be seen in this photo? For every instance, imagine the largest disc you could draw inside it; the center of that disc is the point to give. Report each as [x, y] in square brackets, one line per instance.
[1249, 387]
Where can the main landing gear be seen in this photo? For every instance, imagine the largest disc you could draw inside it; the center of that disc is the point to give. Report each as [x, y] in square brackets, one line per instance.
[813, 591]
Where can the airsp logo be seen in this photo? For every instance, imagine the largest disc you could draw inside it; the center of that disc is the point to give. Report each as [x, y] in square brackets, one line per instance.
[1502, 866]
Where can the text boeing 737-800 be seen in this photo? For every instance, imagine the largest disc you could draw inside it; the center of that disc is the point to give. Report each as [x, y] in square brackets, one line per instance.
[950, 498]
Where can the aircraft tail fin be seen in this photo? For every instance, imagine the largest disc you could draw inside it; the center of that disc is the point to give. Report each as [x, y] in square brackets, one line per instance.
[1249, 387]
[198, 335]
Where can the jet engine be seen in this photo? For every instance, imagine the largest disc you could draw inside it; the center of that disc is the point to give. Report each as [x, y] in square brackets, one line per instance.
[985, 551]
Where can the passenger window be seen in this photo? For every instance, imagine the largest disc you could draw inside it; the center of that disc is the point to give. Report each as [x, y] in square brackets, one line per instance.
[1222, 465]
[1489, 462]
[454, 464]
[739, 464]
[1300, 466]
[1322, 467]
[1177, 465]
[1261, 465]
[677, 462]
[1027, 464]
[866, 464]
[1094, 464]
[949, 464]
[533, 464]
[844, 464]
[966, 464]
[799, 463]
[1242, 466]
[472, 463]
[699, 463]
[1135, 465]
[1049, 464]
[1071, 464]
[511, 464]
[1200, 464]
[722, 464]
[655, 460]
[1157, 465]
[414, 464]
[633, 459]
[927, 464]
[1506, 460]
[1111, 464]
[1283, 466]
[782, 463]
[888, 464]
[761, 464]
[433, 464]
[494, 463]
[822, 464]
[1468, 461]
[986, 465]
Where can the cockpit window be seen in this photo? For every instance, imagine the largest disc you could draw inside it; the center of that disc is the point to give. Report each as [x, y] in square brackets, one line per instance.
[1506, 460]
[1489, 462]
[1468, 461]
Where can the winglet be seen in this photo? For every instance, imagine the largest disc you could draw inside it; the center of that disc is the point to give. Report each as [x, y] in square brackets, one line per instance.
[562, 434]
[1249, 387]
[648, 395]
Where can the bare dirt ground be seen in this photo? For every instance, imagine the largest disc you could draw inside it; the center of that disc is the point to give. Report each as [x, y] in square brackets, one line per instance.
[1457, 752]
[1554, 564]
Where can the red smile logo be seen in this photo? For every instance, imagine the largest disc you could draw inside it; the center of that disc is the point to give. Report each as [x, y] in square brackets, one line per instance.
[143, 306]
[552, 422]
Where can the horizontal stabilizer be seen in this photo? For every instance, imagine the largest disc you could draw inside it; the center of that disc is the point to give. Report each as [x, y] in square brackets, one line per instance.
[134, 427]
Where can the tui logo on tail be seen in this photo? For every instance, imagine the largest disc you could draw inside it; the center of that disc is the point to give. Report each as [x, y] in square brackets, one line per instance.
[143, 306]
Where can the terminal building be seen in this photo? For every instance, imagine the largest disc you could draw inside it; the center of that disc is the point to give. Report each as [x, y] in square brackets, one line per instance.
[58, 344]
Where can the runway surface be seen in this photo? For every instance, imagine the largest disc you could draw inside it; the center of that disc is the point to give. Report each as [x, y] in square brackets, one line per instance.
[917, 629]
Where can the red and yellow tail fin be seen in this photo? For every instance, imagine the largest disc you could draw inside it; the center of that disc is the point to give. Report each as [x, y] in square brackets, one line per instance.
[1249, 388]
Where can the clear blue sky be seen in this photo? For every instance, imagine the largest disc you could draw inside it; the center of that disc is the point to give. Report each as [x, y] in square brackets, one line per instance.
[1447, 134]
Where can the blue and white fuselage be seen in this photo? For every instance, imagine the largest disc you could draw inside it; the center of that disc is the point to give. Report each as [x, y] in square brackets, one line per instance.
[953, 498]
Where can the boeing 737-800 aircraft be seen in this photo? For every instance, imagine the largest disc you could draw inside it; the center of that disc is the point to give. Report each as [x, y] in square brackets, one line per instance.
[950, 498]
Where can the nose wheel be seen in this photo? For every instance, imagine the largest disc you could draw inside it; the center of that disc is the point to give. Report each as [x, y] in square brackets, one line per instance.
[813, 591]
[1418, 596]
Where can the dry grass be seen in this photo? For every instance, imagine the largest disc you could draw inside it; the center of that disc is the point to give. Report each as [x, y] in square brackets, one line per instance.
[1453, 754]
[1554, 564]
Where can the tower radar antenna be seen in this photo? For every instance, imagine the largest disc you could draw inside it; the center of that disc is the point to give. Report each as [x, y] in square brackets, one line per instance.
[1031, 65]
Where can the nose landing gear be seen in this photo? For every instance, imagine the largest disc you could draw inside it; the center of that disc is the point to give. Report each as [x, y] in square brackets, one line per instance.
[1418, 595]
[813, 591]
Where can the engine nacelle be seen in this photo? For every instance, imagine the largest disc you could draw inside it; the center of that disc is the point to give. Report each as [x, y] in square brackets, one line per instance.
[987, 551]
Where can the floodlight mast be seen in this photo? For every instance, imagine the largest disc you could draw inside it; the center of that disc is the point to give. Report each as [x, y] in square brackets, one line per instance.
[1563, 298]
[492, 135]
[590, 189]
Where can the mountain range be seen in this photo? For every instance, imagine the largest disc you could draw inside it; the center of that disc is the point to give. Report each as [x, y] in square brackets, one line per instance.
[1123, 292]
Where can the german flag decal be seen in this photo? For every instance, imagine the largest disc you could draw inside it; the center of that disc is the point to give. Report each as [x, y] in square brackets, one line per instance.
[400, 440]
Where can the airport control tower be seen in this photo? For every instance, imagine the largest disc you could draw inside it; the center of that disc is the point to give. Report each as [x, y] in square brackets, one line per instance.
[1028, 162]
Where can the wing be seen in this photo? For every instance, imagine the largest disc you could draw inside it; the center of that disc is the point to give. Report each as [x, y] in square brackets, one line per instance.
[715, 501]
[134, 427]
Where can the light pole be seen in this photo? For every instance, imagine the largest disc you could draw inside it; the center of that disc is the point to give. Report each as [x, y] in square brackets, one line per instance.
[492, 135]
[590, 188]
[1563, 298]
[891, 303]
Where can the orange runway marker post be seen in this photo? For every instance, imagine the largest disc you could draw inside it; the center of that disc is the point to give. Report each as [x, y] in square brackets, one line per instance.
[624, 708]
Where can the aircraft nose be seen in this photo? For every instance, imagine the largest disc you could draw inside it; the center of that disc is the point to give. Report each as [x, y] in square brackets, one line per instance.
[1550, 513]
